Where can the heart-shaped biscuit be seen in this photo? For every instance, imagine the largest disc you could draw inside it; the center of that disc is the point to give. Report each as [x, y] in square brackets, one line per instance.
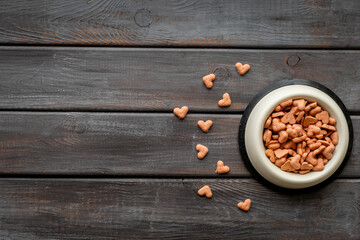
[280, 153]
[221, 168]
[335, 138]
[313, 130]
[267, 136]
[300, 103]
[242, 69]
[208, 80]
[328, 127]
[300, 116]
[309, 120]
[306, 166]
[277, 114]
[270, 154]
[323, 116]
[286, 103]
[311, 159]
[304, 171]
[292, 152]
[310, 106]
[245, 206]
[277, 126]
[288, 118]
[205, 126]
[294, 132]
[181, 112]
[205, 190]
[319, 166]
[287, 167]
[295, 162]
[315, 111]
[332, 121]
[225, 101]
[268, 122]
[327, 152]
[280, 162]
[202, 151]
[323, 142]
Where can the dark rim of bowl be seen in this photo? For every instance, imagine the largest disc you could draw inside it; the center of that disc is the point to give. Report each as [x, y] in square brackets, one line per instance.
[249, 109]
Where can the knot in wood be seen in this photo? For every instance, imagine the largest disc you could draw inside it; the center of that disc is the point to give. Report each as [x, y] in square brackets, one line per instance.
[293, 60]
[143, 18]
[80, 128]
[221, 72]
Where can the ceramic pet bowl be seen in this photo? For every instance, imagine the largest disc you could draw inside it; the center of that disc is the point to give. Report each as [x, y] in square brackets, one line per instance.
[252, 148]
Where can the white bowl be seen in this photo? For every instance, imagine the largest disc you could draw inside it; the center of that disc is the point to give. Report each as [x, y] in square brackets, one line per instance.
[255, 148]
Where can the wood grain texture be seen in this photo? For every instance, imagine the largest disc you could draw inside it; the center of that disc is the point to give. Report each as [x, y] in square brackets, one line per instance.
[126, 79]
[215, 23]
[171, 209]
[126, 144]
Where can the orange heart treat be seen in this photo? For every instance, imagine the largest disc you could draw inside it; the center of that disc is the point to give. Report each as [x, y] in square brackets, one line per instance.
[310, 106]
[277, 125]
[315, 111]
[334, 138]
[242, 69]
[202, 151]
[280, 153]
[221, 169]
[332, 121]
[300, 104]
[245, 206]
[181, 112]
[286, 103]
[205, 190]
[295, 162]
[270, 154]
[319, 166]
[309, 120]
[323, 116]
[287, 167]
[225, 101]
[300, 137]
[208, 80]
[205, 126]
[268, 122]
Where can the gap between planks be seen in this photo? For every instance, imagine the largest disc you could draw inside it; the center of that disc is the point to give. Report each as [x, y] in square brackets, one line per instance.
[157, 112]
[165, 48]
[155, 179]
[125, 177]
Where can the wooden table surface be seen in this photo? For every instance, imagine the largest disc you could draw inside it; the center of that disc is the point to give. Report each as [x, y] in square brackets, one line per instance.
[90, 149]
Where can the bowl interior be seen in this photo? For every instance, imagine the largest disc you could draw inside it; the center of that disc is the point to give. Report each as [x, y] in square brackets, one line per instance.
[256, 149]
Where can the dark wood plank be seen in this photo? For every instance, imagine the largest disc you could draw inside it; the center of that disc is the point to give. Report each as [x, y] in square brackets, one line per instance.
[125, 144]
[171, 209]
[215, 23]
[161, 79]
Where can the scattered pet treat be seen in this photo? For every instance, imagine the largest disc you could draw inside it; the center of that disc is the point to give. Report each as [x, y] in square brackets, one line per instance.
[300, 137]
[245, 206]
[242, 69]
[181, 112]
[205, 126]
[225, 101]
[221, 168]
[205, 190]
[202, 151]
[208, 80]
